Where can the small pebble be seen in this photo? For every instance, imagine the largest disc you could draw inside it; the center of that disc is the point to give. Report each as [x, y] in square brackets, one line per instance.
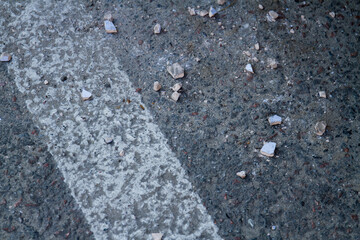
[320, 128]
[332, 14]
[268, 149]
[85, 95]
[275, 120]
[221, 2]
[157, 236]
[261, 7]
[203, 13]
[157, 86]
[108, 16]
[192, 11]
[272, 63]
[175, 96]
[241, 174]
[272, 16]
[322, 94]
[176, 87]
[5, 57]
[122, 153]
[257, 46]
[157, 28]
[176, 71]
[46, 82]
[292, 31]
[212, 12]
[109, 27]
[247, 53]
[249, 68]
[108, 140]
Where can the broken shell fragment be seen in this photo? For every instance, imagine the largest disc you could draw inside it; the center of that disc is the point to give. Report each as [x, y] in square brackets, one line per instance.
[176, 71]
[272, 16]
[157, 236]
[157, 86]
[322, 94]
[241, 174]
[320, 128]
[85, 95]
[249, 68]
[109, 27]
[268, 149]
[175, 96]
[275, 120]
[157, 28]
[212, 12]
[5, 57]
[176, 87]
[203, 13]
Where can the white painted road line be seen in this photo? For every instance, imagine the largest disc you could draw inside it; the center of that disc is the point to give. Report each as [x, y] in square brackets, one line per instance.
[128, 197]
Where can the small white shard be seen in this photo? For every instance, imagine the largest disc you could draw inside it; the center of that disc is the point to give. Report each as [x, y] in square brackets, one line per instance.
[108, 16]
[249, 68]
[272, 63]
[322, 94]
[247, 53]
[261, 7]
[157, 28]
[109, 27]
[157, 236]
[175, 96]
[176, 71]
[176, 87]
[5, 57]
[85, 95]
[332, 14]
[272, 16]
[257, 46]
[46, 82]
[221, 2]
[203, 13]
[268, 149]
[212, 12]
[122, 153]
[275, 120]
[241, 174]
[292, 31]
[108, 140]
[192, 11]
[157, 86]
[255, 59]
[320, 128]
[197, 59]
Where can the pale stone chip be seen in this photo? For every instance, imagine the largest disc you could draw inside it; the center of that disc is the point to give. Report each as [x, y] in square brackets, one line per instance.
[257, 46]
[108, 16]
[85, 95]
[203, 13]
[108, 140]
[175, 96]
[5, 57]
[157, 86]
[332, 14]
[272, 16]
[268, 149]
[261, 7]
[157, 236]
[241, 174]
[249, 68]
[272, 63]
[212, 12]
[192, 11]
[176, 71]
[320, 128]
[221, 2]
[275, 120]
[109, 27]
[322, 94]
[157, 28]
[176, 87]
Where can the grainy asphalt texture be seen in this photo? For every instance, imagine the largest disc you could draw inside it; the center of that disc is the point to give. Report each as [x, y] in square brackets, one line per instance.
[309, 190]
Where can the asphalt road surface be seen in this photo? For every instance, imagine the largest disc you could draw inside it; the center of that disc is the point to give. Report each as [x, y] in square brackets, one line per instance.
[130, 161]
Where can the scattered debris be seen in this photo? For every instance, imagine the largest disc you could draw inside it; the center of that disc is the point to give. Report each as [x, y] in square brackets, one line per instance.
[176, 87]
[122, 153]
[157, 28]
[221, 2]
[203, 13]
[261, 7]
[85, 95]
[320, 128]
[275, 120]
[268, 149]
[108, 140]
[46, 82]
[157, 86]
[109, 27]
[157, 236]
[272, 16]
[257, 46]
[175, 96]
[322, 94]
[5, 57]
[212, 12]
[241, 174]
[176, 71]
[192, 11]
[332, 14]
[249, 68]
[108, 16]
[272, 63]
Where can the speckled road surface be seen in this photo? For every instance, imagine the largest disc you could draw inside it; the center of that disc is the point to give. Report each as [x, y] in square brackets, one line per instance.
[178, 172]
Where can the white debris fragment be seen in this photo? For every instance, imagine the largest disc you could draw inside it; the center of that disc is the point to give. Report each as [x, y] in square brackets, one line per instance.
[5, 57]
[268, 149]
[332, 14]
[176, 71]
[292, 31]
[157, 86]
[275, 120]
[85, 95]
[203, 13]
[157, 28]
[249, 68]
[255, 59]
[261, 7]
[322, 94]
[46, 82]
[192, 11]
[176, 87]
[122, 153]
[197, 59]
[109, 27]
[272, 16]
[221, 2]
[157, 236]
[247, 53]
[175, 96]
[241, 174]
[108, 16]
[257, 46]
[108, 140]
[212, 11]
[320, 128]
[272, 63]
